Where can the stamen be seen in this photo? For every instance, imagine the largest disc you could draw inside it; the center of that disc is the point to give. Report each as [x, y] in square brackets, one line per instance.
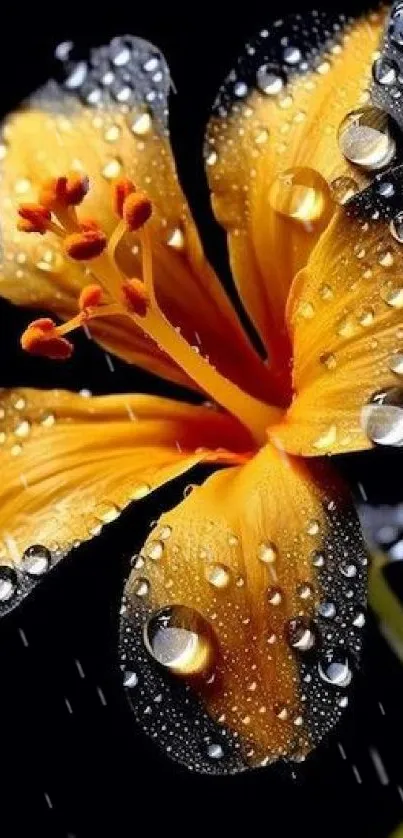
[136, 296]
[42, 338]
[121, 189]
[34, 218]
[137, 209]
[89, 243]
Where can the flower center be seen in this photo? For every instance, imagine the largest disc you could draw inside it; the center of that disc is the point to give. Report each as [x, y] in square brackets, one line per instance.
[114, 292]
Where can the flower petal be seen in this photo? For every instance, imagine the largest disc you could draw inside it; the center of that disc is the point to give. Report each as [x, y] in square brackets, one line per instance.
[115, 126]
[350, 347]
[272, 150]
[70, 464]
[249, 592]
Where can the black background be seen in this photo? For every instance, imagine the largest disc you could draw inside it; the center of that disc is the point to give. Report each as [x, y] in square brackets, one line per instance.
[72, 761]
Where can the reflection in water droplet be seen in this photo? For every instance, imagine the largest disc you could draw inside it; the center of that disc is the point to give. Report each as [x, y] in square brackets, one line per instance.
[23, 428]
[130, 679]
[382, 418]
[8, 583]
[313, 527]
[393, 297]
[300, 194]
[292, 55]
[327, 610]
[218, 575]
[111, 169]
[300, 634]
[141, 125]
[384, 71]
[267, 552]
[269, 80]
[396, 227]
[337, 673]
[215, 751]
[141, 587]
[342, 189]
[318, 558]
[305, 590]
[155, 550]
[365, 138]
[36, 560]
[181, 640]
[348, 570]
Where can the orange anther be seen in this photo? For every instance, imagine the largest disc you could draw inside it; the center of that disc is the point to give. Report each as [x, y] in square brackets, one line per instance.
[34, 218]
[41, 338]
[136, 296]
[137, 209]
[90, 297]
[88, 244]
[76, 188]
[64, 191]
[121, 189]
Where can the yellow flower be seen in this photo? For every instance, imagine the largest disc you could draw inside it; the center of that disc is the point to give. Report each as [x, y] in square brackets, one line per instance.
[250, 591]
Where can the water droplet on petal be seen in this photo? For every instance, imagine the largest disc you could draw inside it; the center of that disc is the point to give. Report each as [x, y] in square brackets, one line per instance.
[396, 363]
[130, 679]
[112, 133]
[176, 239]
[180, 639]
[393, 297]
[318, 558]
[396, 26]
[111, 169]
[342, 189]
[141, 125]
[327, 610]
[274, 595]
[300, 194]
[365, 139]
[23, 428]
[155, 550]
[36, 560]
[337, 673]
[215, 751]
[269, 80]
[382, 417]
[396, 227]
[328, 360]
[218, 575]
[267, 552]
[292, 55]
[359, 620]
[141, 587]
[313, 527]
[8, 583]
[385, 71]
[305, 590]
[348, 569]
[300, 634]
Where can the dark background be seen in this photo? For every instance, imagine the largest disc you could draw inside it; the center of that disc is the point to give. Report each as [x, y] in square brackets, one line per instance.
[72, 762]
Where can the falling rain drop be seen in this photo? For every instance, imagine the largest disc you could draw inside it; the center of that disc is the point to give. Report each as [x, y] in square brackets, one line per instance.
[365, 138]
[181, 640]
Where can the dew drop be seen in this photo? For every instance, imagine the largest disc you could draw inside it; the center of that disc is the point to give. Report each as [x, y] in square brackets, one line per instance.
[313, 527]
[300, 194]
[23, 429]
[130, 679]
[274, 595]
[305, 590]
[327, 610]
[112, 134]
[384, 71]
[111, 169]
[382, 418]
[328, 360]
[300, 634]
[396, 227]
[8, 583]
[281, 712]
[269, 80]
[141, 587]
[176, 239]
[393, 297]
[336, 673]
[48, 420]
[240, 89]
[396, 363]
[141, 491]
[218, 575]
[396, 26]
[342, 189]
[365, 138]
[359, 620]
[318, 558]
[141, 125]
[267, 552]
[180, 639]
[292, 55]
[155, 550]
[36, 560]
[215, 751]
[165, 532]
[348, 570]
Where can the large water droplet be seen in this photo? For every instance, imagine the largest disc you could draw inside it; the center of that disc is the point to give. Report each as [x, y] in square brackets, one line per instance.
[300, 194]
[180, 639]
[267, 552]
[385, 71]
[396, 227]
[396, 26]
[300, 634]
[382, 418]
[393, 297]
[141, 587]
[342, 189]
[8, 583]
[36, 560]
[218, 575]
[365, 138]
[396, 363]
[336, 672]
[269, 80]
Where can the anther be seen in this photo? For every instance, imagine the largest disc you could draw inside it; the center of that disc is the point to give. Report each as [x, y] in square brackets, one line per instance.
[87, 244]
[34, 218]
[121, 189]
[64, 191]
[41, 338]
[137, 209]
[136, 296]
[90, 297]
